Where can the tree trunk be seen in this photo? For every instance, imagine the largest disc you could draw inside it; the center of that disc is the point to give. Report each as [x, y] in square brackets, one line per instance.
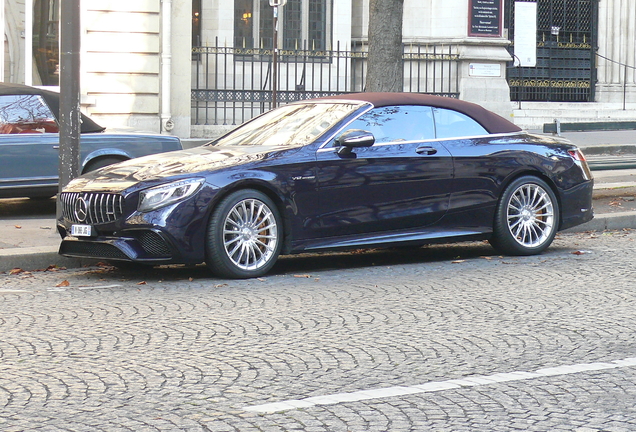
[385, 72]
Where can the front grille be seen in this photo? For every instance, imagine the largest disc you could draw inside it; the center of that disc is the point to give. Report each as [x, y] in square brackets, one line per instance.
[93, 250]
[91, 208]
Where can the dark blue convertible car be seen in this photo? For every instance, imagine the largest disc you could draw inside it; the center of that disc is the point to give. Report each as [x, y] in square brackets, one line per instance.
[352, 171]
[30, 141]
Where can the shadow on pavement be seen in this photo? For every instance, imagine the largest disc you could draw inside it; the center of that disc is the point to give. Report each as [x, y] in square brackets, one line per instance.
[310, 263]
[26, 207]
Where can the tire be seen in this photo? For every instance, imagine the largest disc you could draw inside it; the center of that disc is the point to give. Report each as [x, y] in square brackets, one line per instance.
[100, 163]
[244, 236]
[527, 217]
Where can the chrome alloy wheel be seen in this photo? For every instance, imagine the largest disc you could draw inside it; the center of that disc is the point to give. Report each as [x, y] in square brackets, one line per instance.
[530, 215]
[250, 234]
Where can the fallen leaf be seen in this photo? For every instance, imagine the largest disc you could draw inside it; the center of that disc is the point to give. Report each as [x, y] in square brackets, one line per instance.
[458, 261]
[53, 268]
[302, 276]
[18, 226]
[142, 283]
[580, 252]
[260, 279]
[64, 283]
[15, 271]
[190, 279]
[220, 285]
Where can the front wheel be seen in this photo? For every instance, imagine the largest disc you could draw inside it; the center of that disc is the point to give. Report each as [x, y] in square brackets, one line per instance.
[527, 217]
[244, 235]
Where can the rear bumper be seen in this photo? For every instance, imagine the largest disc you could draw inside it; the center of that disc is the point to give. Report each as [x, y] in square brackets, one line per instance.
[579, 208]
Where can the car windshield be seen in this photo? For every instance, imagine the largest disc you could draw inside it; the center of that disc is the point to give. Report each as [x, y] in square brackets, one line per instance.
[291, 125]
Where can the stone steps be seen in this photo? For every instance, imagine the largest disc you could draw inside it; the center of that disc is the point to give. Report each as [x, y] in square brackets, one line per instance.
[533, 115]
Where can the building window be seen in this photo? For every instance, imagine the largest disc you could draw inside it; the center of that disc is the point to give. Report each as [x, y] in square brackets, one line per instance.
[293, 24]
[244, 23]
[46, 42]
[302, 24]
[196, 23]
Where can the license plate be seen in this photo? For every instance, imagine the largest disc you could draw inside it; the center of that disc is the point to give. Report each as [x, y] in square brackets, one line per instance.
[81, 230]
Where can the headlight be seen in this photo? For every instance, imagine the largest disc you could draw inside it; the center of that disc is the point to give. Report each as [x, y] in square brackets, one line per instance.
[159, 196]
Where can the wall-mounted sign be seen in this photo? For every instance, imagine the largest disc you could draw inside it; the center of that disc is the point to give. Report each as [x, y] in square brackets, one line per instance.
[484, 69]
[485, 18]
[525, 34]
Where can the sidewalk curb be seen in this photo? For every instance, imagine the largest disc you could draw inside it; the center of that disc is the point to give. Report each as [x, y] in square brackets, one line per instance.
[607, 221]
[39, 258]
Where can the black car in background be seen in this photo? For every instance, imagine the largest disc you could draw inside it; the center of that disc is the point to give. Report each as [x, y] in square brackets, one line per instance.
[352, 171]
[29, 143]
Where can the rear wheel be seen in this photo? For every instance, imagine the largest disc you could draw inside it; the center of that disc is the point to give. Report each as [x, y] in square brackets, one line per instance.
[527, 217]
[244, 235]
[101, 163]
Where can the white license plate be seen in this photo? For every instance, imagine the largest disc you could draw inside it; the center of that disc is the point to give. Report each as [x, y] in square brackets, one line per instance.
[81, 230]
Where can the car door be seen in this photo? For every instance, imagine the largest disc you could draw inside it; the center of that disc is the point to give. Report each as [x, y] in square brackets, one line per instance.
[29, 143]
[402, 182]
[479, 164]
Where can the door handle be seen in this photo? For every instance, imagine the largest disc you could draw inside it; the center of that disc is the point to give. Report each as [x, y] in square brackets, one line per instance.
[427, 150]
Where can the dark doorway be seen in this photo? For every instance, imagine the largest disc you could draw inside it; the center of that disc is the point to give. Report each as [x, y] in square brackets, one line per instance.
[566, 41]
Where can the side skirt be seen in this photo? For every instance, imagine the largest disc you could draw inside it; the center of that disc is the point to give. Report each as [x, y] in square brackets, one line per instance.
[390, 239]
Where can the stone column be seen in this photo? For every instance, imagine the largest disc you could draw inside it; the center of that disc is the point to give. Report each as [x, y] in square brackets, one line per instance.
[616, 42]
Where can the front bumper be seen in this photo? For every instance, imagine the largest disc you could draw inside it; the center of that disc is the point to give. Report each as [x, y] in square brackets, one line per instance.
[142, 245]
[173, 234]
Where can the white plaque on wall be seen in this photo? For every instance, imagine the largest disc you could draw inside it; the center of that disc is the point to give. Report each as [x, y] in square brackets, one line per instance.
[484, 69]
[525, 34]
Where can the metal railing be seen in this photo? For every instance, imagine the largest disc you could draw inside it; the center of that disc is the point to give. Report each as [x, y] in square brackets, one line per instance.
[232, 85]
[626, 68]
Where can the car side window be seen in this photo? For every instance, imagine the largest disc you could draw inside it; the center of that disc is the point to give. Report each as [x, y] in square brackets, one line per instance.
[21, 114]
[397, 123]
[453, 124]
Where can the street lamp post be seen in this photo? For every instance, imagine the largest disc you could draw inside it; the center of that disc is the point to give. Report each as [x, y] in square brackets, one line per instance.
[275, 4]
[69, 91]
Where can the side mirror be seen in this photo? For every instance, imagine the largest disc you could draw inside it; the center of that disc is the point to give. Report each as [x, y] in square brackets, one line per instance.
[354, 138]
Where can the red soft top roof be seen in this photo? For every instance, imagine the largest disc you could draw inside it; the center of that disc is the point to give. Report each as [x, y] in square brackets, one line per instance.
[492, 122]
[52, 99]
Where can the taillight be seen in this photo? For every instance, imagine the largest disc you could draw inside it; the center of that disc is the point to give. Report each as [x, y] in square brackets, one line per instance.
[577, 155]
[579, 159]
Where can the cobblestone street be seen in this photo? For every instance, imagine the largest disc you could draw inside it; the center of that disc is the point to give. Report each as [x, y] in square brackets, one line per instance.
[442, 338]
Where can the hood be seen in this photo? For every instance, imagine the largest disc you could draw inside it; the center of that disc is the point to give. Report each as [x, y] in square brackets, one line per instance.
[153, 169]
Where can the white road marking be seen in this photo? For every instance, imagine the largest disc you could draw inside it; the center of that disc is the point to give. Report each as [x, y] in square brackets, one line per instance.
[470, 381]
[100, 287]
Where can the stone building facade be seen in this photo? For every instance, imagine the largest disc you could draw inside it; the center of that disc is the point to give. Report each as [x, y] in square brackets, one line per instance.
[138, 69]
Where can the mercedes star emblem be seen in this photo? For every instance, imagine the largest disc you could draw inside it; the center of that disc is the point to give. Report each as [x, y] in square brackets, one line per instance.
[81, 209]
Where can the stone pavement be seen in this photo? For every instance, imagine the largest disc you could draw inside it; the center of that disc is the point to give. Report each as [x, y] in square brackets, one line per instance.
[442, 338]
[30, 240]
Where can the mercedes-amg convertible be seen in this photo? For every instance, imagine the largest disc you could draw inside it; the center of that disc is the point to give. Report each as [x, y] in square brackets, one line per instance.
[344, 172]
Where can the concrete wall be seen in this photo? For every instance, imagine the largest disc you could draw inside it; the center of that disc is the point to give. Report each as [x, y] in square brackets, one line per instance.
[124, 62]
[616, 41]
[121, 51]
[14, 41]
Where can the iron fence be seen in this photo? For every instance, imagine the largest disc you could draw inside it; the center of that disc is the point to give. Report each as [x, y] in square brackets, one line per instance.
[232, 85]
